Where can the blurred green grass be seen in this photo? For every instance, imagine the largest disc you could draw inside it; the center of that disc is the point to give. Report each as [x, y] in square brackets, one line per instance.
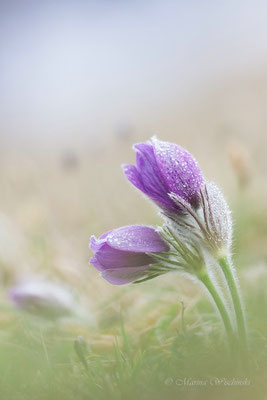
[142, 343]
[150, 362]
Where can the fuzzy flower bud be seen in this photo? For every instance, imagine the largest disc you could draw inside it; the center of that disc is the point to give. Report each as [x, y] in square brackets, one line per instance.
[217, 217]
[210, 224]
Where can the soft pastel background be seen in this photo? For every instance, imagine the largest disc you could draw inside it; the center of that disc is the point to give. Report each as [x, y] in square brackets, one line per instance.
[80, 82]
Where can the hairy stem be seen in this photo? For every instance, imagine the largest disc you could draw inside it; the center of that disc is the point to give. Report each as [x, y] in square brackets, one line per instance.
[239, 312]
[205, 279]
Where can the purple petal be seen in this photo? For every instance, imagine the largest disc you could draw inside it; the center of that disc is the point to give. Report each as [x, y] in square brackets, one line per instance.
[147, 177]
[109, 258]
[145, 157]
[136, 238]
[133, 176]
[179, 168]
[148, 169]
[94, 261]
[123, 276]
[126, 247]
[96, 244]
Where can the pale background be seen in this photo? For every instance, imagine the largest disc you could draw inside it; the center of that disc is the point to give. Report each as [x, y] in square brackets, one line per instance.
[81, 81]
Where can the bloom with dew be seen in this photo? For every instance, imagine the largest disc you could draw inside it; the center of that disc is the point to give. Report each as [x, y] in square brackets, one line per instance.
[123, 255]
[42, 299]
[197, 230]
[163, 168]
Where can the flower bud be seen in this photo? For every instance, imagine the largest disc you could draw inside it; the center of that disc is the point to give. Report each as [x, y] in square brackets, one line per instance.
[217, 217]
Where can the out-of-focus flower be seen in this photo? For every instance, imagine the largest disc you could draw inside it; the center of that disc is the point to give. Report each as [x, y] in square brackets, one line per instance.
[43, 299]
[122, 255]
[163, 168]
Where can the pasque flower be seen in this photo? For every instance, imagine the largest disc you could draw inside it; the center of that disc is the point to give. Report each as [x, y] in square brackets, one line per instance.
[197, 229]
[163, 168]
[123, 255]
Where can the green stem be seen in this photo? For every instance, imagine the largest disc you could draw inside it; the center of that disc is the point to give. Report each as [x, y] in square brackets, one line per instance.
[205, 279]
[239, 312]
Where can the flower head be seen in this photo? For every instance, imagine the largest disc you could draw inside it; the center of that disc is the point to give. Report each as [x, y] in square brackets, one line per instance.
[163, 168]
[122, 255]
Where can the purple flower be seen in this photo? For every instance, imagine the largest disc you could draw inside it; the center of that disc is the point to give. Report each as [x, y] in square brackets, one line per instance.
[163, 168]
[42, 298]
[122, 255]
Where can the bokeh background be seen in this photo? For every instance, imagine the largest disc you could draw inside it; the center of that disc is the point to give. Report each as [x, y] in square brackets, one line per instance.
[80, 82]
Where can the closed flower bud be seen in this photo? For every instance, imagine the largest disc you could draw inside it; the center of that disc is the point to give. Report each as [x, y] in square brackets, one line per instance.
[217, 217]
[210, 224]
